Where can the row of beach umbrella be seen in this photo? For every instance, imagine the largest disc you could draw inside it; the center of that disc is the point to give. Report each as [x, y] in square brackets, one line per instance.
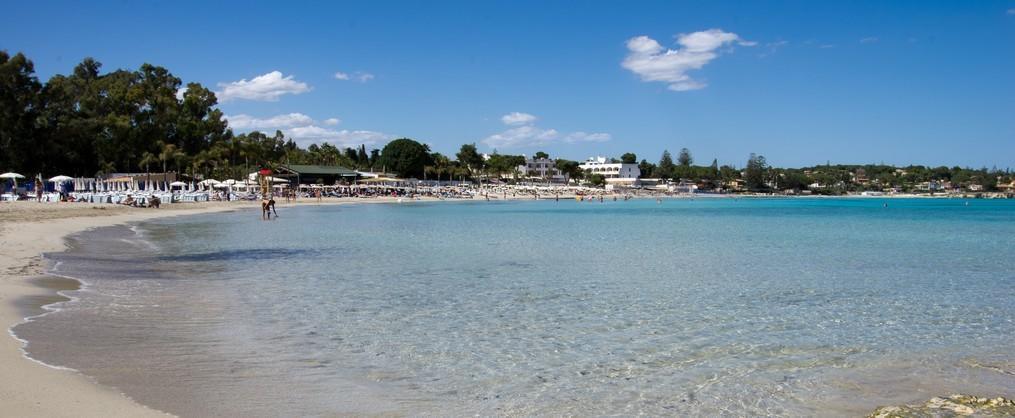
[15, 176]
[129, 183]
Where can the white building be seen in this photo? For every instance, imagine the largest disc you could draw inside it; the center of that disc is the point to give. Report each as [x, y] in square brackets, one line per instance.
[543, 168]
[615, 173]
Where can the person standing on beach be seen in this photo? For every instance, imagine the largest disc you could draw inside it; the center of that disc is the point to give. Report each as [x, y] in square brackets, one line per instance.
[38, 188]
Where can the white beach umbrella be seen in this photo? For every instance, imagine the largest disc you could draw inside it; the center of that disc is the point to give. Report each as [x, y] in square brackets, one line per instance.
[60, 179]
[13, 176]
[177, 184]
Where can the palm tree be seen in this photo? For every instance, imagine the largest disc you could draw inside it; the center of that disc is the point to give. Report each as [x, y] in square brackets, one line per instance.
[166, 153]
[146, 159]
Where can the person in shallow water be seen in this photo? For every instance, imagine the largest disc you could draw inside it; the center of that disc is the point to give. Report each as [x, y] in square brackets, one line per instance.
[267, 205]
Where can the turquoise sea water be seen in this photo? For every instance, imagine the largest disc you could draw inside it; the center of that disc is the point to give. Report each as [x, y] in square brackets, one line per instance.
[689, 307]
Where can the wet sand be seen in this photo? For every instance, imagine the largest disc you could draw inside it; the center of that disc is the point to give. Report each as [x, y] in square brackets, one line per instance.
[28, 229]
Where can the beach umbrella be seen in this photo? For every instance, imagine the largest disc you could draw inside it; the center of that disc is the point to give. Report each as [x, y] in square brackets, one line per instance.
[13, 176]
[177, 184]
[60, 179]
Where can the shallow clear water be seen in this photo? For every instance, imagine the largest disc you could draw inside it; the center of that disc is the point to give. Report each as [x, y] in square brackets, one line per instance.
[689, 307]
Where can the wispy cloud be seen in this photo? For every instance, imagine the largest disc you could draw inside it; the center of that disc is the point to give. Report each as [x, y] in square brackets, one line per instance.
[244, 122]
[525, 133]
[652, 62]
[268, 87]
[1010, 12]
[517, 118]
[868, 40]
[773, 47]
[358, 76]
[305, 130]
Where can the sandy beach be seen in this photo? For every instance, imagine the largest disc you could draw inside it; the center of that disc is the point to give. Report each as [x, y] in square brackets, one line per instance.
[28, 229]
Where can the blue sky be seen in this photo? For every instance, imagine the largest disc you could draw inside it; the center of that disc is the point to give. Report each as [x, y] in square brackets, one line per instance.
[802, 83]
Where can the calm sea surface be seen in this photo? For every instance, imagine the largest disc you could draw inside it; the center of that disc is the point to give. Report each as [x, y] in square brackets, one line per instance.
[689, 307]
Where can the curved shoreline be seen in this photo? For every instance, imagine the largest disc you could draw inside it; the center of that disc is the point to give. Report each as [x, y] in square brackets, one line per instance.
[50, 391]
[32, 388]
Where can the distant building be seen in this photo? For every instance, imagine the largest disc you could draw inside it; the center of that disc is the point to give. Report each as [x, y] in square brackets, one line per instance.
[543, 168]
[684, 186]
[615, 173]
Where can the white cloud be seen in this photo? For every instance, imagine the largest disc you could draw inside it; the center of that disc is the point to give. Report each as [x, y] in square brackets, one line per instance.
[312, 134]
[527, 134]
[652, 62]
[357, 76]
[826, 46]
[522, 136]
[268, 87]
[869, 40]
[244, 122]
[332, 121]
[1011, 12]
[517, 118]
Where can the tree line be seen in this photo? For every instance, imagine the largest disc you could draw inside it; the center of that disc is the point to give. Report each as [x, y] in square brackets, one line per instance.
[89, 123]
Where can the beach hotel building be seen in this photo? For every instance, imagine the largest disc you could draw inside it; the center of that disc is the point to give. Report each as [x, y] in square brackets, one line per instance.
[543, 168]
[616, 174]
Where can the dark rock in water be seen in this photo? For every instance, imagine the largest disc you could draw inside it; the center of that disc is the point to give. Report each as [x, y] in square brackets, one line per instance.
[955, 405]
